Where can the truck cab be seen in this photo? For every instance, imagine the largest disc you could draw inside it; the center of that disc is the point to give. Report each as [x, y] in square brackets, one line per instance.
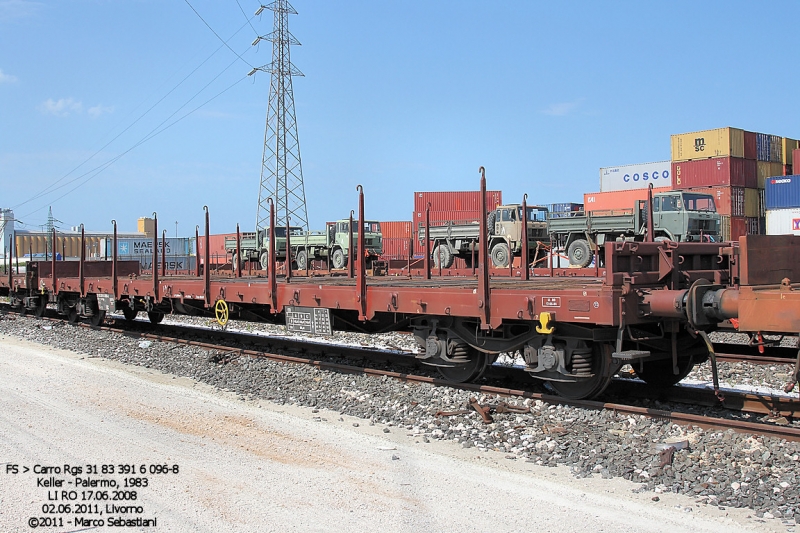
[686, 216]
[338, 236]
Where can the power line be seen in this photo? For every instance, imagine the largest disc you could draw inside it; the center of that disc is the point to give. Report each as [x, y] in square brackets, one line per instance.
[215, 33]
[248, 18]
[50, 188]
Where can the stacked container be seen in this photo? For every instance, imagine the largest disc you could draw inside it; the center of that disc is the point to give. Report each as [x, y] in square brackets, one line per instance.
[453, 206]
[616, 200]
[782, 198]
[638, 176]
[396, 239]
[727, 163]
[564, 209]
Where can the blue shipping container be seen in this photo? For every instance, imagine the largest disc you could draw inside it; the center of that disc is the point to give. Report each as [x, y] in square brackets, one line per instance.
[769, 147]
[565, 207]
[782, 192]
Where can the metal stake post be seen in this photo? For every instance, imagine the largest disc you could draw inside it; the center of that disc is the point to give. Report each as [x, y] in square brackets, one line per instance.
[207, 265]
[350, 247]
[114, 281]
[483, 255]
[81, 273]
[154, 265]
[197, 251]
[523, 263]
[238, 261]
[164, 254]
[362, 263]
[428, 241]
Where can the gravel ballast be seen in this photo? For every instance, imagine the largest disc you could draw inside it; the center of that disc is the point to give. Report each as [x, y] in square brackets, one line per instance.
[716, 468]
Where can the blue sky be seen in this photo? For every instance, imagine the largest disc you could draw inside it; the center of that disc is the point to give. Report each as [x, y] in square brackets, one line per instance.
[397, 96]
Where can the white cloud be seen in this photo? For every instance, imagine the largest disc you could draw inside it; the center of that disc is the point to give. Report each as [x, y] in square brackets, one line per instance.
[61, 107]
[99, 109]
[6, 78]
[562, 108]
[17, 9]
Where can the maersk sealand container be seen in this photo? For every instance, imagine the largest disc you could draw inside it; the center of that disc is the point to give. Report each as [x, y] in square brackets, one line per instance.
[782, 192]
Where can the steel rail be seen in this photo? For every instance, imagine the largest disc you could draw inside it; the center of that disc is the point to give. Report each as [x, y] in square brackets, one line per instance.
[773, 405]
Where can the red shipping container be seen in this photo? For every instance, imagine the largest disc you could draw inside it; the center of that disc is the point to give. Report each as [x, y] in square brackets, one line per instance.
[753, 225]
[750, 145]
[732, 171]
[456, 200]
[440, 217]
[216, 249]
[392, 230]
[395, 248]
[728, 200]
[738, 227]
[602, 201]
[795, 153]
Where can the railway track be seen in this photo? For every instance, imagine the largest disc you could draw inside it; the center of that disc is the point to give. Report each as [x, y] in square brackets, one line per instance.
[327, 356]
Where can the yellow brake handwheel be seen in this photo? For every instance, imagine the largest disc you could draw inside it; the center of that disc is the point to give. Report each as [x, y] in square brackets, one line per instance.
[221, 312]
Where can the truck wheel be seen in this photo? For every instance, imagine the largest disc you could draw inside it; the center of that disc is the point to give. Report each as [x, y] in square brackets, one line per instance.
[442, 255]
[236, 264]
[491, 218]
[500, 255]
[264, 260]
[338, 259]
[579, 253]
[302, 259]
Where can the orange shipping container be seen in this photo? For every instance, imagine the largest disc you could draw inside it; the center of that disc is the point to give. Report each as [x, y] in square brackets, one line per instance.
[456, 200]
[601, 201]
[392, 230]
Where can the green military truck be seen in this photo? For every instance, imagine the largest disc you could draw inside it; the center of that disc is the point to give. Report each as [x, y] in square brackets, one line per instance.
[677, 216]
[504, 227]
[332, 244]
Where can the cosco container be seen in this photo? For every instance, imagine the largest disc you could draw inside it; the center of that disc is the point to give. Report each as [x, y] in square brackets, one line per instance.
[765, 170]
[769, 148]
[396, 230]
[729, 201]
[788, 148]
[782, 192]
[602, 201]
[731, 171]
[783, 221]
[456, 200]
[638, 176]
[721, 142]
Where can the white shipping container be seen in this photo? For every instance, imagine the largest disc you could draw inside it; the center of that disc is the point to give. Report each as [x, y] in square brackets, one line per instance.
[638, 176]
[783, 221]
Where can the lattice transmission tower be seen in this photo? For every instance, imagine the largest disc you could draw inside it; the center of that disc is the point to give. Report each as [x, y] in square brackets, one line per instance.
[281, 168]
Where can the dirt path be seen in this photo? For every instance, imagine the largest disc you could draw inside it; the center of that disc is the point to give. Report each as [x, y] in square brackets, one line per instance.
[261, 467]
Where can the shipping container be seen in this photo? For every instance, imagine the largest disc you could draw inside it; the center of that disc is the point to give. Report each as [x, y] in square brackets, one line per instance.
[782, 192]
[396, 230]
[456, 200]
[440, 217]
[602, 201]
[787, 170]
[135, 247]
[788, 148]
[216, 249]
[752, 203]
[765, 170]
[762, 204]
[769, 148]
[733, 227]
[721, 142]
[173, 263]
[795, 157]
[752, 225]
[396, 248]
[783, 221]
[565, 207]
[638, 176]
[728, 200]
[750, 145]
[731, 171]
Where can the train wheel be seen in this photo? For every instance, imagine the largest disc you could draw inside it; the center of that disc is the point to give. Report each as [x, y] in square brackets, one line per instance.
[659, 373]
[469, 371]
[601, 368]
[130, 314]
[155, 317]
[97, 318]
[72, 315]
